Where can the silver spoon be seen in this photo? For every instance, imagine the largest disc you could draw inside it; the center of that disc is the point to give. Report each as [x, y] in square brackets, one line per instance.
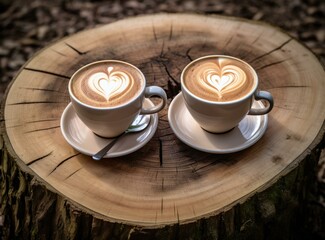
[139, 124]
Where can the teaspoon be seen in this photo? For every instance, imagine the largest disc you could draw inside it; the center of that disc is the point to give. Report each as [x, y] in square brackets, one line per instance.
[139, 124]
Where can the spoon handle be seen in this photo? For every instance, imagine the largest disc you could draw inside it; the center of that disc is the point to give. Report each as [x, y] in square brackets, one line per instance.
[102, 152]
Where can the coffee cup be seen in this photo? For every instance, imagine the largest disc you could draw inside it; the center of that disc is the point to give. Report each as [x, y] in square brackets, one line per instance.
[108, 95]
[219, 91]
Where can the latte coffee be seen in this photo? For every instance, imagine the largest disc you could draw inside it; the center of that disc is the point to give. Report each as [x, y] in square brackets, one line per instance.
[107, 84]
[219, 79]
[219, 91]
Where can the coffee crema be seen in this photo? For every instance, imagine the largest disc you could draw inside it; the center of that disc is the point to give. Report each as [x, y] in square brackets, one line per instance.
[106, 84]
[219, 79]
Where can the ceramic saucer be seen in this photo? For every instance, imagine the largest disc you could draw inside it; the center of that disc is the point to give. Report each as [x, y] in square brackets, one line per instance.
[248, 131]
[81, 138]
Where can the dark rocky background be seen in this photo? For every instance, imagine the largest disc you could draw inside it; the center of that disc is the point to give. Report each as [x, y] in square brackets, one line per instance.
[27, 26]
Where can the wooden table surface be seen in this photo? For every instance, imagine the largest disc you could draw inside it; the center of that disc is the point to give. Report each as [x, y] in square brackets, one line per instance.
[165, 183]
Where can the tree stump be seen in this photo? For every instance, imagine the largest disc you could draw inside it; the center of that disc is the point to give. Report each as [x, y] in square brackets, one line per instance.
[165, 190]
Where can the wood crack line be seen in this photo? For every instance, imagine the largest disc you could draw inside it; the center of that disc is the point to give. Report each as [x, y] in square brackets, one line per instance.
[43, 120]
[275, 49]
[42, 129]
[75, 49]
[41, 89]
[171, 32]
[47, 72]
[169, 75]
[38, 159]
[154, 32]
[36, 102]
[188, 54]
[162, 49]
[288, 86]
[63, 161]
[160, 152]
[271, 64]
[32, 122]
[73, 173]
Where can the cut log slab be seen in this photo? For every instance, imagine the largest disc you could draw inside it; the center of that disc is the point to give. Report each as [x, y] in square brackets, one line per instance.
[165, 190]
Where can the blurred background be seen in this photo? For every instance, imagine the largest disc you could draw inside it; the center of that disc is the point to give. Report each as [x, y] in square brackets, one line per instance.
[27, 26]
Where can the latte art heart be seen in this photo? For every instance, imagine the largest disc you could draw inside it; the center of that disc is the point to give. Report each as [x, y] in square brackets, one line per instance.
[219, 79]
[219, 82]
[222, 80]
[107, 84]
[110, 84]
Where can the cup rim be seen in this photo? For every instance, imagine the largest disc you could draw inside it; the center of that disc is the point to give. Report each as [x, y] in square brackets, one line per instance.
[140, 93]
[248, 95]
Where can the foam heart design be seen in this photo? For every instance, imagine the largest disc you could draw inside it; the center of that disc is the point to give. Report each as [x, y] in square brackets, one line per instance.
[226, 79]
[220, 82]
[107, 85]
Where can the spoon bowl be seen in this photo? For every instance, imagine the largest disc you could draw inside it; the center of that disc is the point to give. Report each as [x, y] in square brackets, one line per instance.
[140, 123]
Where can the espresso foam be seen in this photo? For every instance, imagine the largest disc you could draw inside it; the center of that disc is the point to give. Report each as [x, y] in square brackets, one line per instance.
[107, 84]
[219, 79]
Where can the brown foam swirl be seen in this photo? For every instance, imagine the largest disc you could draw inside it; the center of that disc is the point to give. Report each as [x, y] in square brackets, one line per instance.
[219, 79]
[107, 85]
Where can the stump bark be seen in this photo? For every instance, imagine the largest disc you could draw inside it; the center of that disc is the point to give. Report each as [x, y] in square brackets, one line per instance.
[165, 190]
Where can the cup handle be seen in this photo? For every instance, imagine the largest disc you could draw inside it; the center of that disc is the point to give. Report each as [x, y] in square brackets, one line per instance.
[259, 95]
[155, 91]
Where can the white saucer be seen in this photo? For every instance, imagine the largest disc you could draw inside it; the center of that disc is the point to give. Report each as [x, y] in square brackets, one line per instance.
[81, 138]
[248, 131]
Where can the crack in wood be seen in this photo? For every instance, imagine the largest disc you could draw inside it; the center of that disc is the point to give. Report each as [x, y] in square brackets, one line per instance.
[14, 126]
[172, 85]
[274, 50]
[162, 206]
[58, 52]
[75, 49]
[154, 32]
[175, 209]
[288, 86]
[42, 129]
[258, 38]
[196, 170]
[162, 184]
[194, 213]
[47, 72]
[228, 42]
[188, 54]
[63, 161]
[170, 32]
[41, 89]
[38, 159]
[170, 75]
[73, 173]
[36, 102]
[44, 120]
[162, 50]
[160, 152]
[271, 64]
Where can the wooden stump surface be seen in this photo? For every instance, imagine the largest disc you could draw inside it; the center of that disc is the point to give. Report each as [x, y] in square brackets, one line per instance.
[166, 181]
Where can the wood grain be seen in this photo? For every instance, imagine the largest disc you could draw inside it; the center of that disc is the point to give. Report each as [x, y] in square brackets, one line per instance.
[166, 183]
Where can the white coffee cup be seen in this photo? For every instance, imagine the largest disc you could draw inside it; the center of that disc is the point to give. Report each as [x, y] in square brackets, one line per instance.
[111, 121]
[221, 116]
